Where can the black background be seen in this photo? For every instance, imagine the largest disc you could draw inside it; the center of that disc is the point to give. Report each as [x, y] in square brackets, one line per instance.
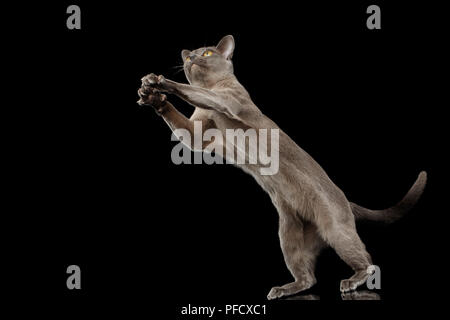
[93, 182]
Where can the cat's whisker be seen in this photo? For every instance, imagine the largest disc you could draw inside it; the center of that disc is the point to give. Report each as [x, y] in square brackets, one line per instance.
[177, 69]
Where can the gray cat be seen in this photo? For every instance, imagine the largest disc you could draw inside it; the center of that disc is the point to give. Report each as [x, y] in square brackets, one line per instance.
[313, 211]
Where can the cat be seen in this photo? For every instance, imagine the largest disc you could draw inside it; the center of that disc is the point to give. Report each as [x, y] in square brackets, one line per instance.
[313, 212]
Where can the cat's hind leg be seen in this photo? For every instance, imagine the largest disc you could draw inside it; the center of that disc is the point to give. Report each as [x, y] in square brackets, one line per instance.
[300, 244]
[339, 231]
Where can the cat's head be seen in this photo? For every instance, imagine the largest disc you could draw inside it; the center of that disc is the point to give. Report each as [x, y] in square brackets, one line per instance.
[206, 66]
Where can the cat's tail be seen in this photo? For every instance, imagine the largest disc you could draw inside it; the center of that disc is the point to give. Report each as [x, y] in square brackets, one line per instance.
[394, 213]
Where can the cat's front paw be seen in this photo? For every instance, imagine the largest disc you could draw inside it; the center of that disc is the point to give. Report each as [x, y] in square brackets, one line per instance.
[150, 97]
[156, 82]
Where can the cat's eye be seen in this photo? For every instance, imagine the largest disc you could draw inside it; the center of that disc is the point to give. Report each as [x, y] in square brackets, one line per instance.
[207, 53]
[188, 59]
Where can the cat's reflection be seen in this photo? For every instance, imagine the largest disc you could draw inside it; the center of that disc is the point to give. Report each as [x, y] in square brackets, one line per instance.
[303, 297]
[352, 295]
[360, 295]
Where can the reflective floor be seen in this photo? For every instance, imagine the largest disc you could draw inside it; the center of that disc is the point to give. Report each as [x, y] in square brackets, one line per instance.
[353, 295]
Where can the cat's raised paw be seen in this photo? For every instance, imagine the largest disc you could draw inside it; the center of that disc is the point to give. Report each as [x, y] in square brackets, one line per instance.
[153, 81]
[151, 97]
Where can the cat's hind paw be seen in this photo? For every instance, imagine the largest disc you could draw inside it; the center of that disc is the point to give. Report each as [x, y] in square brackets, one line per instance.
[275, 293]
[290, 288]
[358, 279]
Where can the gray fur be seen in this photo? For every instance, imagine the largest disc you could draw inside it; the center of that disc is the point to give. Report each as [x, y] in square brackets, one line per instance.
[313, 211]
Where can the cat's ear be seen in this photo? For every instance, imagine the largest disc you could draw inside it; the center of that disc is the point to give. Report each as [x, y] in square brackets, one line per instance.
[226, 46]
[184, 54]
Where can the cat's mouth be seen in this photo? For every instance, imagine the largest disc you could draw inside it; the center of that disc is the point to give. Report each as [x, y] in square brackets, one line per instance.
[192, 65]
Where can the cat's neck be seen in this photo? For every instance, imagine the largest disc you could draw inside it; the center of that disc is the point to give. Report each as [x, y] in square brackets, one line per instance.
[226, 81]
[221, 83]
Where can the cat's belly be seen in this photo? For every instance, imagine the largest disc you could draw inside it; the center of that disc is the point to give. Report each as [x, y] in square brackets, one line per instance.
[293, 171]
[299, 178]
